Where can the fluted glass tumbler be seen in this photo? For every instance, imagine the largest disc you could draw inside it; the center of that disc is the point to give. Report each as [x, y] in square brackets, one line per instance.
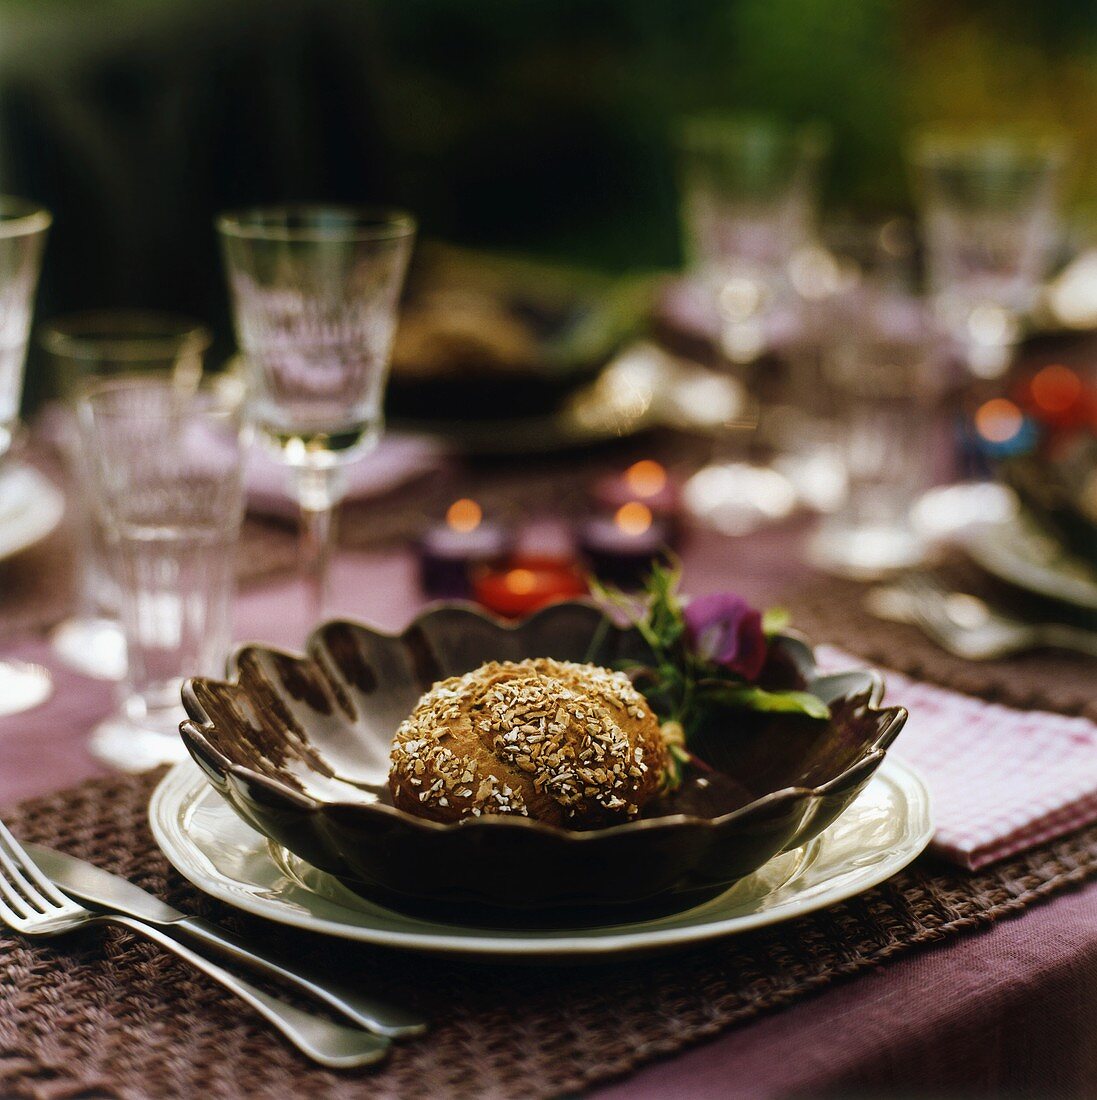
[84, 349]
[166, 464]
[989, 207]
[315, 291]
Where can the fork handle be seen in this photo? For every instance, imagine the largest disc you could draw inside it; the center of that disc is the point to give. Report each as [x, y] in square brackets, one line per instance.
[383, 1019]
[1070, 637]
[325, 1042]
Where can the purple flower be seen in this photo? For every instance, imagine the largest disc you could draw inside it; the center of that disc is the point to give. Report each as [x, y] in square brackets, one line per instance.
[725, 629]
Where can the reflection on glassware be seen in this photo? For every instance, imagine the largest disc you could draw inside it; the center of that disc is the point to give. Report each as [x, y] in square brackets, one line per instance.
[989, 211]
[167, 469]
[85, 348]
[23, 228]
[884, 376]
[22, 686]
[314, 293]
[748, 196]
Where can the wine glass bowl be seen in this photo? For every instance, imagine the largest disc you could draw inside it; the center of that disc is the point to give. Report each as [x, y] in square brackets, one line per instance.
[23, 228]
[315, 292]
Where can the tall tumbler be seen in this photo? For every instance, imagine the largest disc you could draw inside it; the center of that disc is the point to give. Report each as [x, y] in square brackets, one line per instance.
[85, 349]
[989, 208]
[166, 466]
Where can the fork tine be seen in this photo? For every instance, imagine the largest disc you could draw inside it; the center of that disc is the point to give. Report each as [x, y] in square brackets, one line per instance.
[16, 903]
[14, 882]
[10, 917]
[30, 868]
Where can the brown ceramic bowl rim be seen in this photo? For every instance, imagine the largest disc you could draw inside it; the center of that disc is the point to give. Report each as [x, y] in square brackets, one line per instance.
[192, 733]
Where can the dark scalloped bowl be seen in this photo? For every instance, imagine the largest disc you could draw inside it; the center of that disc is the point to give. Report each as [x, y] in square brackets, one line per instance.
[299, 747]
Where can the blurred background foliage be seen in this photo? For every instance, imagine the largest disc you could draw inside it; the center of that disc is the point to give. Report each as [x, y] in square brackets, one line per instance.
[542, 126]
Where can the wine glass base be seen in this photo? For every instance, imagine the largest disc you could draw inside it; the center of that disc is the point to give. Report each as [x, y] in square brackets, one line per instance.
[22, 686]
[735, 498]
[94, 646]
[130, 747]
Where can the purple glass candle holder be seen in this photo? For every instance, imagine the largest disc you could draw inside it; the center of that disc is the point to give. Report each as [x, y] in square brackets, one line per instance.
[621, 547]
[449, 552]
[646, 482]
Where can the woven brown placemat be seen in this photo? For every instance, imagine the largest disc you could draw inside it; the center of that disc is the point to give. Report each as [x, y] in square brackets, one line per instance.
[832, 610]
[105, 1014]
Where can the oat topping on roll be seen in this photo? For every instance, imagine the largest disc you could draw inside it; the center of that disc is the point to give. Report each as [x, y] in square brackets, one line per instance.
[567, 744]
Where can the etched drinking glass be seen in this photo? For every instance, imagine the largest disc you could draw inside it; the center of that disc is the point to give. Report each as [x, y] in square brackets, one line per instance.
[166, 468]
[315, 292]
[23, 228]
[989, 208]
[748, 207]
[84, 349]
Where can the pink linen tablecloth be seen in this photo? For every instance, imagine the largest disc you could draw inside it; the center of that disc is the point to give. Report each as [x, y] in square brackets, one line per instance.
[1010, 1008]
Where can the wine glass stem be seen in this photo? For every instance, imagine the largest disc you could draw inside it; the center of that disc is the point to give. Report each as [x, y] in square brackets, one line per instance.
[318, 492]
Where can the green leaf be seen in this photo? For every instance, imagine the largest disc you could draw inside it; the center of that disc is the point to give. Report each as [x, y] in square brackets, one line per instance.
[775, 620]
[777, 702]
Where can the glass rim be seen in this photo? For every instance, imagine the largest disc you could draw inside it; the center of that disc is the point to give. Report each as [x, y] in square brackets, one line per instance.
[942, 145]
[118, 335]
[709, 129]
[360, 223]
[21, 217]
[229, 397]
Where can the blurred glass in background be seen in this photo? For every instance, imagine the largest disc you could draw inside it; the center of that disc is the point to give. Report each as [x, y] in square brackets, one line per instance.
[989, 208]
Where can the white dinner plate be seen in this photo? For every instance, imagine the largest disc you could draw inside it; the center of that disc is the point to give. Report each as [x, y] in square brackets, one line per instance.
[879, 834]
[1015, 552]
[31, 506]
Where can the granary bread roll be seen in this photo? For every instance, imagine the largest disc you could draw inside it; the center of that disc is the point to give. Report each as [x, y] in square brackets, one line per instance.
[567, 744]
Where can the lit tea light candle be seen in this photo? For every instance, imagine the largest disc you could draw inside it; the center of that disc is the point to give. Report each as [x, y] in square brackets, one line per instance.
[621, 548]
[450, 551]
[646, 481]
[528, 582]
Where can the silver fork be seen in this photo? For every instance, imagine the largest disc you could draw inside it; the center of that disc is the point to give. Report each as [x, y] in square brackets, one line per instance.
[32, 905]
[968, 627]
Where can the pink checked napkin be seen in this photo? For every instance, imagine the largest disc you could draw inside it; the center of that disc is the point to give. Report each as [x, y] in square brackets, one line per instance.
[397, 460]
[1001, 780]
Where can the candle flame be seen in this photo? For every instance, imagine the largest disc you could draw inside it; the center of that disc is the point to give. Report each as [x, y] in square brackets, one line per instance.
[998, 420]
[1056, 388]
[520, 581]
[633, 518]
[464, 515]
[646, 478]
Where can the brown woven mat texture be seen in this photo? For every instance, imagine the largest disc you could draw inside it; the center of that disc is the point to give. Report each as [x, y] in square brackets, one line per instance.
[105, 1014]
[832, 610]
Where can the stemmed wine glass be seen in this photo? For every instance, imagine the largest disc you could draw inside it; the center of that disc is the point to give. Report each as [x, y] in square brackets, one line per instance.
[23, 228]
[315, 291]
[748, 197]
